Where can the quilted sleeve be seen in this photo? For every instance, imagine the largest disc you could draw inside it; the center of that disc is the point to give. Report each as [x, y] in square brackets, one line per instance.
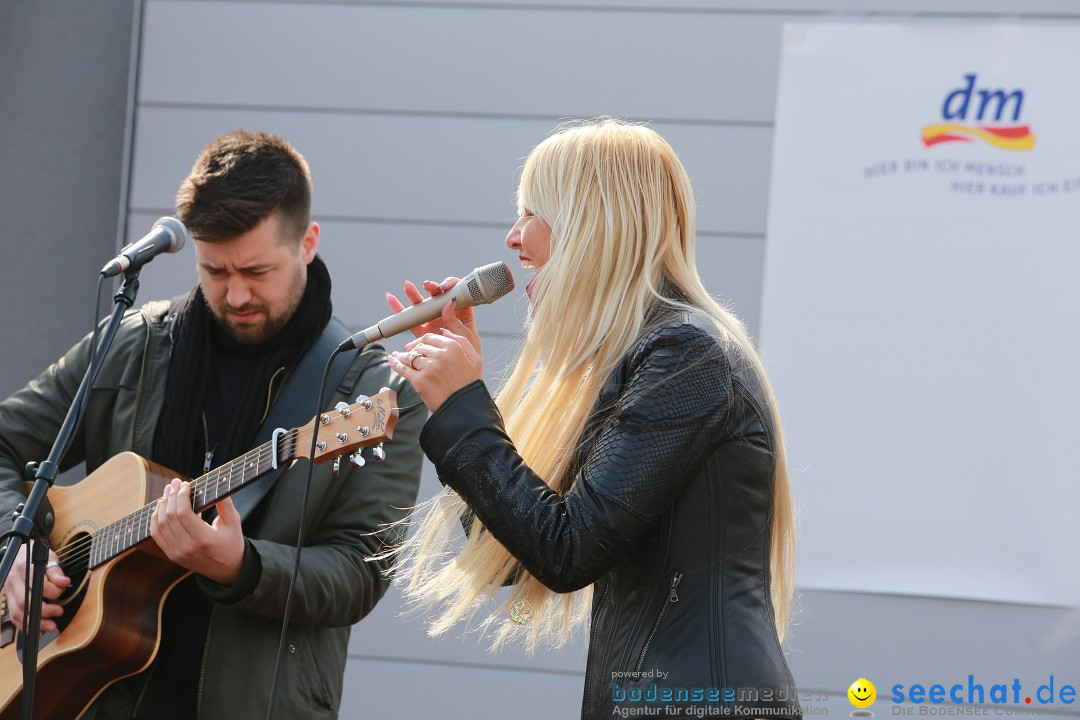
[667, 419]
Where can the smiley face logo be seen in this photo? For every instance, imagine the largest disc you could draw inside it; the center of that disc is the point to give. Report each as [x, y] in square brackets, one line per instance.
[862, 693]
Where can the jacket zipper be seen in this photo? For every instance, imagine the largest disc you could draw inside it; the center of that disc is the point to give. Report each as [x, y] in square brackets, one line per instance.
[592, 637]
[672, 598]
[202, 665]
[208, 456]
[270, 395]
[210, 627]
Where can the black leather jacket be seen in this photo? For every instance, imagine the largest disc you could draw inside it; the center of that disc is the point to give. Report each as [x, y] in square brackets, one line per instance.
[669, 517]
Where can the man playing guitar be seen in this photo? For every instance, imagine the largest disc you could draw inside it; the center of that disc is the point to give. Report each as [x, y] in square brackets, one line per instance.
[187, 384]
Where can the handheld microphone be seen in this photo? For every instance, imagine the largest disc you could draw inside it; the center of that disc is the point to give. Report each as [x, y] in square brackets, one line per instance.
[167, 236]
[483, 285]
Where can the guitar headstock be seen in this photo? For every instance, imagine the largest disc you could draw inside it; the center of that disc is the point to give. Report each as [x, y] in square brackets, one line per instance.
[346, 428]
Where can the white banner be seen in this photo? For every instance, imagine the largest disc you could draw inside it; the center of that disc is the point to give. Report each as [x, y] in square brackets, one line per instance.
[920, 311]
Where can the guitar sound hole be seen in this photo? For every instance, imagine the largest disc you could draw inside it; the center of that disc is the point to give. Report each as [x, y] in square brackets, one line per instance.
[75, 560]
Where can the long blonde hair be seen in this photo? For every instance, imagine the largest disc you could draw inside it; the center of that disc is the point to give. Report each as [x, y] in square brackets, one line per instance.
[621, 211]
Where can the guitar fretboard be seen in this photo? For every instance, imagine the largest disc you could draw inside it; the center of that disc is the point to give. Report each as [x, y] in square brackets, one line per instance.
[130, 530]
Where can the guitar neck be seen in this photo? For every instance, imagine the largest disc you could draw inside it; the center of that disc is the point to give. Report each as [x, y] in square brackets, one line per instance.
[232, 476]
[132, 529]
[367, 422]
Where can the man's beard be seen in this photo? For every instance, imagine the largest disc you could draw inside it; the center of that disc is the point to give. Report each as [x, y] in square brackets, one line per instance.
[271, 325]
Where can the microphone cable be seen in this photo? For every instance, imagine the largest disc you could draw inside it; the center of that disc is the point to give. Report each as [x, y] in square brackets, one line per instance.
[300, 533]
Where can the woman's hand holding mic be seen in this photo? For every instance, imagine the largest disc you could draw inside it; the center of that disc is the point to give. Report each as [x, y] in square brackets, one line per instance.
[445, 356]
[465, 315]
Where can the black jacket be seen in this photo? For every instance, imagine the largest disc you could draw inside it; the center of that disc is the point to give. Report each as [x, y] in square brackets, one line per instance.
[669, 517]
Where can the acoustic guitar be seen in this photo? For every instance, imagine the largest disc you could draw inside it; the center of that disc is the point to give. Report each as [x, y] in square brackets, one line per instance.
[110, 628]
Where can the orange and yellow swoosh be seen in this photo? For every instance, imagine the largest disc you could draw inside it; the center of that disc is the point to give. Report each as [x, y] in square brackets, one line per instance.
[1018, 137]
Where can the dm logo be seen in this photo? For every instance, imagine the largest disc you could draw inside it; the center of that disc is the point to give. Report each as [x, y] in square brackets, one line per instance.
[991, 116]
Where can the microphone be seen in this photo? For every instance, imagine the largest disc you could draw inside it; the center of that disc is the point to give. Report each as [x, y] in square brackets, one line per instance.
[482, 286]
[167, 236]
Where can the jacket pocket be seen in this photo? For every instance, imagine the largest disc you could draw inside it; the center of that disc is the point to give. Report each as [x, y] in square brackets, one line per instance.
[312, 688]
[671, 599]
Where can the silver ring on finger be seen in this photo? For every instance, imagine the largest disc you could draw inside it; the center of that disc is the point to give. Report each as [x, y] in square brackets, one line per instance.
[413, 354]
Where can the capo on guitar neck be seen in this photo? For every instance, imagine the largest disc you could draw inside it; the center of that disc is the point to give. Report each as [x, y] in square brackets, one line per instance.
[274, 447]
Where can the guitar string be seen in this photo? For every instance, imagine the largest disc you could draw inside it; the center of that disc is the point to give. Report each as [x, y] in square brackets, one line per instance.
[82, 548]
[75, 552]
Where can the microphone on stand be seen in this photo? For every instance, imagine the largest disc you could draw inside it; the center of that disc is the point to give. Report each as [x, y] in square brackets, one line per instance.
[482, 286]
[167, 236]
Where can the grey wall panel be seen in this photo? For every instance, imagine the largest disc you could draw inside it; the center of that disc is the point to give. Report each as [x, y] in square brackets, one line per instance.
[369, 259]
[63, 103]
[437, 169]
[382, 689]
[731, 268]
[1028, 8]
[839, 637]
[486, 59]
[448, 170]
[497, 60]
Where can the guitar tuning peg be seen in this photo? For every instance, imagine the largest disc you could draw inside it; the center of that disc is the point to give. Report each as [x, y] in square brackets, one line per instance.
[384, 389]
[361, 398]
[378, 452]
[341, 405]
[337, 466]
[357, 459]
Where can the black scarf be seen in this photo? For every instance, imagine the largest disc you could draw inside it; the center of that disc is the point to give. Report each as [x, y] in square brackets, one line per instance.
[214, 377]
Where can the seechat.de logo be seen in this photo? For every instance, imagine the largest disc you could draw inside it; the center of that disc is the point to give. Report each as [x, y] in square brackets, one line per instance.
[981, 114]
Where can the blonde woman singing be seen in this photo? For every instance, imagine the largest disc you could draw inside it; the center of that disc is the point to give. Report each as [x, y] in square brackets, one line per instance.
[630, 474]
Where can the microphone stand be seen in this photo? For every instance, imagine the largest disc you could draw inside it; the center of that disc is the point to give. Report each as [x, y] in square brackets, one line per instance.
[33, 520]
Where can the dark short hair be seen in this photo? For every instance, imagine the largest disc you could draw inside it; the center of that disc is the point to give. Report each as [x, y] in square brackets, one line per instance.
[239, 180]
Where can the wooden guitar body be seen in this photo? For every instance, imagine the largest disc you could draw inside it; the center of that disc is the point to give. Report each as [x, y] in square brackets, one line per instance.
[111, 623]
